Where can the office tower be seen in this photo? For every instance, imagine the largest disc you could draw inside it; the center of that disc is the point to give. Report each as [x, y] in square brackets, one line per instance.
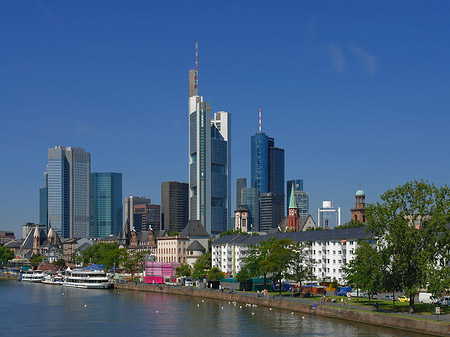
[301, 196]
[68, 172]
[106, 204]
[272, 210]
[250, 199]
[130, 202]
[240, 184]
[146, 217]
[174, 205]
[209, 161]
[328, 216]
[43, 202]
[358, 212]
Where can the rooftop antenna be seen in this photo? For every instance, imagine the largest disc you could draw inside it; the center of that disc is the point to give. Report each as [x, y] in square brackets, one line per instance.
[196, 55]
[259, 120]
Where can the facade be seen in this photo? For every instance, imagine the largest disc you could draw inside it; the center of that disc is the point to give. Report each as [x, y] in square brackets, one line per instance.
[68, 172]
[174, 205]
[209, 162]
[272, 210]
[105, 204]
[172, 249]
[250, 200]
[358, 212]
[43, 202]
[241, 219]
[240, 184]
[328, 216]
[146, 217]
[301, 196]
[130, 202]
[329, 250]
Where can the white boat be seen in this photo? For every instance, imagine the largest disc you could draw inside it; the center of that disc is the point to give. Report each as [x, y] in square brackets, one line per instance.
[33, 276]
[88, 279]
[53, 279]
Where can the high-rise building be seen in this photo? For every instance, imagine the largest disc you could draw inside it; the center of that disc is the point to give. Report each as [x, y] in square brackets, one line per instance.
[250, 199]
[174, 205]
[106, 204]
[146, 217]
[43, 202]
[328, 216]
[272, 210]
[301, 196]
[130, 202]
[240, 184]
[68, 172]
[209, 162]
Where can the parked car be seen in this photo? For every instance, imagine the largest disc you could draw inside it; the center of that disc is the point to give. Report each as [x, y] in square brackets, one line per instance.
[387, 297]
[403, 299]
[445, 300]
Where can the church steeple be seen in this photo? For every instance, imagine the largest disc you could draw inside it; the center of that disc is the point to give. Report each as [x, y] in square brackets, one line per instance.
[360, 206]
[292, 219]
[293, 200]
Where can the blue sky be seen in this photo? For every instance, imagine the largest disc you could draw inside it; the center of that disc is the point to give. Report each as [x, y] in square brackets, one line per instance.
[356, 93]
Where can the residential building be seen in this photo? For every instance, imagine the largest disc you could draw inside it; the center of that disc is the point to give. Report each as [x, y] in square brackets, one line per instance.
[301, 196]
[250, 200]
[328, 216]
[329, 250]
[174, 205]
[272, 209]
[240, 184]
[358, 212]
[106, 204]
[130, 202]
[209, 162]
[147, 217]
[68, 172]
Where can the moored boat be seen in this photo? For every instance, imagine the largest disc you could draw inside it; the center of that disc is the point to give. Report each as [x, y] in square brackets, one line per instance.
[88, 279]
[53, 279]
[33, 276]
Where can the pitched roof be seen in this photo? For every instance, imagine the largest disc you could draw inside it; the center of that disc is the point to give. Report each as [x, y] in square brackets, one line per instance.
[293, 201]
[194, 228]
[196, 246]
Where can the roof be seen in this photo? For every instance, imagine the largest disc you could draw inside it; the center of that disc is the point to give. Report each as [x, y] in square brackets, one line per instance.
[360, 193]
[196, 246]
[293, 201]
[307, 236]
[194, 228]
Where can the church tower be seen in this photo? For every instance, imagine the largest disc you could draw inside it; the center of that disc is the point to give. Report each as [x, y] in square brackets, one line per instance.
[360, 206]
[292, 219]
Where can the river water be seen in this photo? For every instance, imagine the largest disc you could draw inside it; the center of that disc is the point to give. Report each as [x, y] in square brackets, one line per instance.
[46, 310]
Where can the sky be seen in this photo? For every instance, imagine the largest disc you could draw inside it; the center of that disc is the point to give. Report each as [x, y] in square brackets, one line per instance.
[356, 92]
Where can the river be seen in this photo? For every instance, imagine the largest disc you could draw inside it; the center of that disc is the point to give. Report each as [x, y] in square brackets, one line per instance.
[46, 310]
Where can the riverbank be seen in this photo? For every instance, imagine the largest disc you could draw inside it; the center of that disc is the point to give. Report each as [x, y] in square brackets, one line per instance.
[350, 314]
[8, 276]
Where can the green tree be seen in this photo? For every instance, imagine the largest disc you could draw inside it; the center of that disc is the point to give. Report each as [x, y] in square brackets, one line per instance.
[6, 254]
[410, 225]
[202, 266]
[233, 232]
[301, 263]
[102, 253]
[184, 270]
[174, 233]
[215, 274]
[351, 224]
[61, 263]
[131, 260]
[279, 260]
[36, 259]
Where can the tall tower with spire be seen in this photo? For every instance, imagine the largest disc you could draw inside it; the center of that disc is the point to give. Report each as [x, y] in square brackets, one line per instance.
[292, 218]
[209, 161]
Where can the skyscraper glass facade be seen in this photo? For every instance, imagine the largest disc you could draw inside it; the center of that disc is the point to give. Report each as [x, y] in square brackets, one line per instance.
[240, 184]
[260, 162]
[328, 214]
[301, 197]
[106, 204]
[250, 199]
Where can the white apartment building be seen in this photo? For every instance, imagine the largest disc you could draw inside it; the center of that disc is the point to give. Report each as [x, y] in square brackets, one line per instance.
[331, 250]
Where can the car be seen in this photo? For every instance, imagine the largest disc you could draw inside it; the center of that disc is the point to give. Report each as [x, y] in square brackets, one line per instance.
[387, 297]
[403, 299]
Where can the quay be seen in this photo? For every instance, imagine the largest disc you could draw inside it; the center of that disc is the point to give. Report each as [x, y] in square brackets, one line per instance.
[428, 326]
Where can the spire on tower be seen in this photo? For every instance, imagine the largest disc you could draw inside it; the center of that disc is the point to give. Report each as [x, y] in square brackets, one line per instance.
[259, 120]
[196, 55]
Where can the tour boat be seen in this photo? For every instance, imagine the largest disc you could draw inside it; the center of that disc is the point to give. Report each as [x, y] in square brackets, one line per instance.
[33, 276]
[88, 279]
[53, 279]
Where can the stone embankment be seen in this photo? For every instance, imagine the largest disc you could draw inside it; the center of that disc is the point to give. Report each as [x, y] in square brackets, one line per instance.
[381, 319]
[8, 276]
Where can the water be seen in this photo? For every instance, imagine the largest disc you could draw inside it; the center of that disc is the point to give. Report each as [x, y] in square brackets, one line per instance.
[45, 310]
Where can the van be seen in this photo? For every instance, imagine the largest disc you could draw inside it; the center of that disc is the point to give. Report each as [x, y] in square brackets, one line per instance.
[428, 298]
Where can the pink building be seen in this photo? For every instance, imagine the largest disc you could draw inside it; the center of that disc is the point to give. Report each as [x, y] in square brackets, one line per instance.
[158, 272]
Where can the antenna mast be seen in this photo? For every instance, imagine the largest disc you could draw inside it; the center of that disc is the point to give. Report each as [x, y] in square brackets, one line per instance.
[259, 120]
[196, 55]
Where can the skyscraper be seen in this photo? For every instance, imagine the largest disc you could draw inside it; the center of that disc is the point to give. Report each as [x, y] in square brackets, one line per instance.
[147, 217]
[130, 202]
[68, 172]
[240, 184]
[301, 196]
[209, 161]
[328, 215]
[106, 204]
[174, 205]
[43, 202]
[250, 199]
[271, 210]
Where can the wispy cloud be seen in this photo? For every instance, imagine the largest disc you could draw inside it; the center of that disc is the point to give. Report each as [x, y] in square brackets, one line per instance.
[337, 57]
[369, 61]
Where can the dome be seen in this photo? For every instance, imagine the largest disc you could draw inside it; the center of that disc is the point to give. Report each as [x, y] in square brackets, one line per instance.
[360, 193]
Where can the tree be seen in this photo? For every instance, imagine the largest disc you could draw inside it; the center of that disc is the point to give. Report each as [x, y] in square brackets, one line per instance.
[174, 233]
[131, 260]
[61, 263]
[279, 259]
[301, 263]
[184, 270]
[102, 253]
[233, 232]
[6, 254]
[410, 225]
[351, 224]
[36, 259]
[215, 274]
[202, 266]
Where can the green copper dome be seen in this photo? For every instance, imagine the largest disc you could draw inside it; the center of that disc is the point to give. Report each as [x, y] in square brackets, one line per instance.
[360, 193]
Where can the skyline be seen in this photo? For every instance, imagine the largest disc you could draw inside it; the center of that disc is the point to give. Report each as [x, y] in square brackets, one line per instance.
[354, 95]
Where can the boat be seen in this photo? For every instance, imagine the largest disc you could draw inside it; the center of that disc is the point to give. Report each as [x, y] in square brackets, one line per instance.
[88, 279]
[53, 279]
[33, 276]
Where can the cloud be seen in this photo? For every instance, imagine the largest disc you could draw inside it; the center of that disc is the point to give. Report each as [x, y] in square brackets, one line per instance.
[368, 60]
[337, 57]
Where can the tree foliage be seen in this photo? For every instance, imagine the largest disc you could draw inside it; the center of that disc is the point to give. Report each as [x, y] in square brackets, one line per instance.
[202, 266]
[102, 253]
[184, 270]
[131, 260]
[6, 254]
[215, 274]
[233, 232]
[351, 224]
[301, 263]
[36, 258]
[61, 263]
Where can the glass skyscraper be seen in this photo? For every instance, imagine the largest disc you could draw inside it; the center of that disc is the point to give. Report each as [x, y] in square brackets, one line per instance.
[105, 204]
[250, 199]
[68, 172]
[329, 215]
[301, 197]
